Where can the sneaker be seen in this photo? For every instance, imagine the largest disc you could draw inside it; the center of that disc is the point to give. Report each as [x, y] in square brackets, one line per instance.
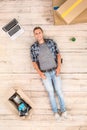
[57, 117]
[64, 115]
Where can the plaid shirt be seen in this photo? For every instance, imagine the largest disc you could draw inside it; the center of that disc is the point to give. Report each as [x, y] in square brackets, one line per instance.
[35, 49]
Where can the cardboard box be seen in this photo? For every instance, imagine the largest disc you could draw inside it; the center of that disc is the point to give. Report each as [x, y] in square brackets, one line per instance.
[77, 13]
[24, 97]
[71, 9]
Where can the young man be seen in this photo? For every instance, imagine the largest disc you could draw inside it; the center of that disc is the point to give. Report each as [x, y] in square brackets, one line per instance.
[46, 60]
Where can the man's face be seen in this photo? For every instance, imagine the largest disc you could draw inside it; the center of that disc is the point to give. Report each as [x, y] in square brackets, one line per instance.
[38, 34]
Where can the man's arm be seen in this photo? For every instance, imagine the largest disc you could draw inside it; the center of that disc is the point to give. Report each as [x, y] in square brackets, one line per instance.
[59, 64]
[42, 75]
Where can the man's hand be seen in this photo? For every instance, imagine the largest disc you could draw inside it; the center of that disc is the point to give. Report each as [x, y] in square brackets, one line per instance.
[57, 71]
[59, 64]
[42, 75]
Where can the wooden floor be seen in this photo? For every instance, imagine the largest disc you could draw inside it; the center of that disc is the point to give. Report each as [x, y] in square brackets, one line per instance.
[16, 68]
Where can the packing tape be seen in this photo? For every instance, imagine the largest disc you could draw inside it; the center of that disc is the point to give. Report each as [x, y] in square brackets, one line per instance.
[71, 8]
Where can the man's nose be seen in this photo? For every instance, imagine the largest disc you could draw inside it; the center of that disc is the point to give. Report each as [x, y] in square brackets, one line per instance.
[38, 34]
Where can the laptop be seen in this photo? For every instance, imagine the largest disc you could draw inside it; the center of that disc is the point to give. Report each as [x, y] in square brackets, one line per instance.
[13, 29]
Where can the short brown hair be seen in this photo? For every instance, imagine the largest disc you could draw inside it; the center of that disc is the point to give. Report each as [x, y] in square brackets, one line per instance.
[37, 28]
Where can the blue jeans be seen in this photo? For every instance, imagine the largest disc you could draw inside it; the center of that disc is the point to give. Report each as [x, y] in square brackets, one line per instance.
[54, 82]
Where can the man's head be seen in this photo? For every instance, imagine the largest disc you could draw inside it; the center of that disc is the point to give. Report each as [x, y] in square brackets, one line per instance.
[38, 33]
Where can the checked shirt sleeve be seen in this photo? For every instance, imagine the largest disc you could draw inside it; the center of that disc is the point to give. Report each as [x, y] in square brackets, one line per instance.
[54, 47]
[33, 54]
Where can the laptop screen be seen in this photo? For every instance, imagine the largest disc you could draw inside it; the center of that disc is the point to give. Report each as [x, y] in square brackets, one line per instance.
[10, 25]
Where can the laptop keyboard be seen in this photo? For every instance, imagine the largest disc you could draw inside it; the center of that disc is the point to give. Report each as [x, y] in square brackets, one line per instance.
[10, 25]
[14, 30]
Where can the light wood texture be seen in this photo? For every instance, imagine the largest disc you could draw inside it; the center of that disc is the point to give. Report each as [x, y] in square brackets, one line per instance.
[16, 67]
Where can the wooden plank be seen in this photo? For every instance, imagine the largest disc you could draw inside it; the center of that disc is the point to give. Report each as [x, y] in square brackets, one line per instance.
[66, 94]
[52, 28]
[64, 43]
[40, 128]
[15, 62]
[42, 92]
[66, 33]
[73, 31]
[27, 123]
[83, 128]
[44, 118]
[72, 104]
[75, 86]
[45, 111]
[46, 20]
[35, 76]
